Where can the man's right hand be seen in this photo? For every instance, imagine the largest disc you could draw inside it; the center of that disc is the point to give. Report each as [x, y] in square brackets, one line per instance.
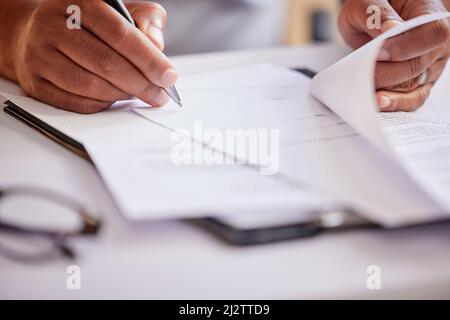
[87, 70]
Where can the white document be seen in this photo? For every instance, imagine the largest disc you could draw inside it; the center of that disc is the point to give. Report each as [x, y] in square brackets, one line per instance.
[348, 154]
[319, 148]
[133, 156]
[417, 141]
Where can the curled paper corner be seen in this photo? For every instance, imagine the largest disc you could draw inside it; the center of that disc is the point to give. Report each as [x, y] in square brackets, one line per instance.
[347, 87]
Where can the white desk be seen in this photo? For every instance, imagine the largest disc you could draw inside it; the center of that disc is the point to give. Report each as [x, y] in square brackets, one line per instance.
[177, 260]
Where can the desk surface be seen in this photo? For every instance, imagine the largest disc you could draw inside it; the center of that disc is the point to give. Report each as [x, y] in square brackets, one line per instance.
[176, 260]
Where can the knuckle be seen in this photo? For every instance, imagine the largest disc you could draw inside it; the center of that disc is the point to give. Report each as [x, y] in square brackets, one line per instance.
[415, 102]
[105, 60]
[94, 89]
[379, 80]
[122, 36]
[71, 75]
[441, 31]
[400, 103]
[409, 85]
[415, 67]
[422, 96]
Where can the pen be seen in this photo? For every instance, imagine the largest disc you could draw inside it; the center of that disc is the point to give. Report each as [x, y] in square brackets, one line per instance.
[120, 8]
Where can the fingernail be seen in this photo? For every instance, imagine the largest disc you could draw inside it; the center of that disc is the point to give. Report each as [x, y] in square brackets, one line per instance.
[156, 35]
[383, 55]
[168, 78]
[384, 102]
[161, 99]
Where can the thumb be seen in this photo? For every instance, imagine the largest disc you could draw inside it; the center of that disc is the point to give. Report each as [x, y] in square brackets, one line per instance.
[151, 19]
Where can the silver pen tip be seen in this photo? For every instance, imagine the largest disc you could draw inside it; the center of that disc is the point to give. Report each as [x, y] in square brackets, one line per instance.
[173, 94]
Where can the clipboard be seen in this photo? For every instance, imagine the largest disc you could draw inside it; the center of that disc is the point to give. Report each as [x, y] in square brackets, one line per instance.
[346, 219]
[48, 131]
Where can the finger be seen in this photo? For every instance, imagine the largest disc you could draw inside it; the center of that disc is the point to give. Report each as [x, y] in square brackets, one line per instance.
[70, 77]
[151, 19]
[434, 73]
[104, 22]
[410, 101]
[390, 74]
[408, 46]
[97, 57]
[47, 92]
[366, 19]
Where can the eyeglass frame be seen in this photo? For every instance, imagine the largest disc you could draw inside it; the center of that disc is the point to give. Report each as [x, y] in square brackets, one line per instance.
[90, 224]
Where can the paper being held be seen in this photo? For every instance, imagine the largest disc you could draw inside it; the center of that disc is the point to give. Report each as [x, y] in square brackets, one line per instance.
[347, 87]
[419, 140]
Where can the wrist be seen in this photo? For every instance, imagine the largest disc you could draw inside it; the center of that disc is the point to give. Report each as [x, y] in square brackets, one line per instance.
[14, 15]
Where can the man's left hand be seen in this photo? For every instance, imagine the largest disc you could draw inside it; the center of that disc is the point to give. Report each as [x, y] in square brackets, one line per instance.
[409, 64]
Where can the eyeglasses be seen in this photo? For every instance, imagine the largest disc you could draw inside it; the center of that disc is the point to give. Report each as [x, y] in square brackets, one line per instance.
[35, 224]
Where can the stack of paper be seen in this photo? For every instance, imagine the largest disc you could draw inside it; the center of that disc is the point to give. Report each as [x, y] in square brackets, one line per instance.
[333, 150]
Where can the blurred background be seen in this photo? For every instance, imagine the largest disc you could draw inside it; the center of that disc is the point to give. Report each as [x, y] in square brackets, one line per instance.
[196, 26]
[312, 21]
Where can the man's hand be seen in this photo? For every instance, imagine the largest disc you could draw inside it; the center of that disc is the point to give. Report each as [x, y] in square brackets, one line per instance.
[86, 70]
[405, 60]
